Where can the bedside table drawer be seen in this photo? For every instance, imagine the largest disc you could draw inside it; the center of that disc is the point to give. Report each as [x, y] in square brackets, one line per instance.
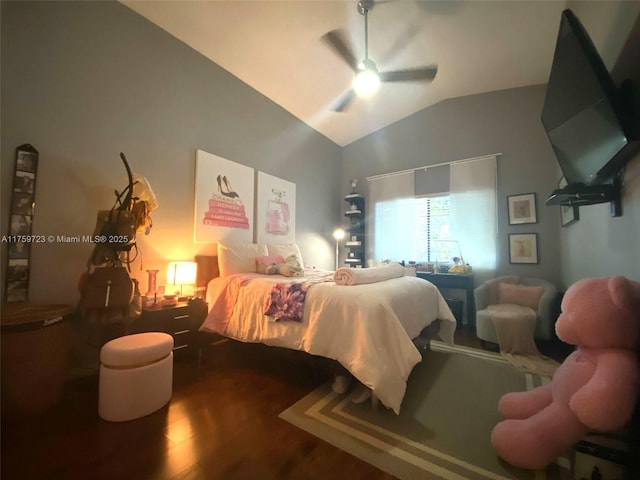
[181, 322]
[183, 339]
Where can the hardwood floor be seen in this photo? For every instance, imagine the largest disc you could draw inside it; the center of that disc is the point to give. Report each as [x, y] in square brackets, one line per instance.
[222, 423]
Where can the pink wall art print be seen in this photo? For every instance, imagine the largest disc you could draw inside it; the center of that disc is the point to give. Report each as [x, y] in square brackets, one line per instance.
[224, 197]
[275, 210]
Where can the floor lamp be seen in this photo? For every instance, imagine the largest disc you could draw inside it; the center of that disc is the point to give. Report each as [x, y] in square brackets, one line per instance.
[338, 234]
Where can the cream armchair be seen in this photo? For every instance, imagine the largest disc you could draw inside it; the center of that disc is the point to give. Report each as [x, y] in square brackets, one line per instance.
[485, 295]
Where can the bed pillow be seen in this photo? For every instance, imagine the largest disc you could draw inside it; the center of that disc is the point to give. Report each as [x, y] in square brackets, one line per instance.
[269, 260]
[525, 296]
[287, 250]
[239, 257]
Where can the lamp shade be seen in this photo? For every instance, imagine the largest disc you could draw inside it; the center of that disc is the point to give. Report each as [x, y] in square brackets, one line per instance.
[181, 273]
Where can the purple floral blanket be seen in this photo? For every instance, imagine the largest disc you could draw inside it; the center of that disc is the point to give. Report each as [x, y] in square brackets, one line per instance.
[286, 301]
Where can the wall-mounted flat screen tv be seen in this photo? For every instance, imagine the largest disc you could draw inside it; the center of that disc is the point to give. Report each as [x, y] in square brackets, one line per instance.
[584, 112]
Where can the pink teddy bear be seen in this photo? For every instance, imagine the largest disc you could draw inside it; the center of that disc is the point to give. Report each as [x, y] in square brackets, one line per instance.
[595, 388]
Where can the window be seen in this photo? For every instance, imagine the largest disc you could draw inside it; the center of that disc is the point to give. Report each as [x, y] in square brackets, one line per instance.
[431, 224]
[393, 240]
[410, 229]
[412, 222]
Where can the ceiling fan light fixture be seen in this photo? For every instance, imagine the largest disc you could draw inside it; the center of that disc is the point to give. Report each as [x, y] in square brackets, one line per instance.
[367, 77]
[366, 82]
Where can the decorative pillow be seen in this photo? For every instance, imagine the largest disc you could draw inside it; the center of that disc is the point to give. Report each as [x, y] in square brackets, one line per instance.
[269, 260]
[239, 257]
[286, 250]
[281, 269]
[525, 296]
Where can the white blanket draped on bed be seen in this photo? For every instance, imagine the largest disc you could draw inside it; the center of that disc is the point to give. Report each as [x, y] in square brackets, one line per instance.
[367, 328]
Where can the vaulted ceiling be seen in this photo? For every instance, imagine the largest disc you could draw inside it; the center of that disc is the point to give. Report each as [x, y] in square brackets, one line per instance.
[276, 48]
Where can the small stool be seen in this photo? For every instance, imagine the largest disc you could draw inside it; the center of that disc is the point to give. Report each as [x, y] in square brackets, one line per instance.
[136, 376]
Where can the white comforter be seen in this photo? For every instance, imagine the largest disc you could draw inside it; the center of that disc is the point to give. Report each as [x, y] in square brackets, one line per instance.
[367, 328]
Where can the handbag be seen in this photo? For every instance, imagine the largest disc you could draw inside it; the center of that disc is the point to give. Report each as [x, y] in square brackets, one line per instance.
[108, 296]
[106, 287]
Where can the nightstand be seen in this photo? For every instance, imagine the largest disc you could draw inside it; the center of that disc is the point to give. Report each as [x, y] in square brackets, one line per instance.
[181, 321]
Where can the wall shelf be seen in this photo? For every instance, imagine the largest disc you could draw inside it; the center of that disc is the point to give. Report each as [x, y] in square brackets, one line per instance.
[355, 241]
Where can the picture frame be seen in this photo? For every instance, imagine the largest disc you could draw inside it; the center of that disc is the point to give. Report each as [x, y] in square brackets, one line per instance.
[224, 200]
[22, 203]
[18, 260]
[568, 214]
[275, 210]
[522, 209]
[523, 248]
[17, 286]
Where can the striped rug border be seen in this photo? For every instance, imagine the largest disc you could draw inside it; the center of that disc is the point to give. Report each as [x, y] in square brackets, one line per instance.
[391, 442]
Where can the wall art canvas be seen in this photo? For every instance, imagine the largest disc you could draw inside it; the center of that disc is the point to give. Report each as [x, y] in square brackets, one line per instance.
[275, 210]
[224, 195]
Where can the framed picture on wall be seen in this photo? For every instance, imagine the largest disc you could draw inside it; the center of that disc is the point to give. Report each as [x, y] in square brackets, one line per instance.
[224, 196]
[523, 248]
[275, 210]
[20, 224]
[522, 209]
[568, 214]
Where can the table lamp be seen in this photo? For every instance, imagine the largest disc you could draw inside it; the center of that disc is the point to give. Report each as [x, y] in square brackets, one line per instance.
[180, 274]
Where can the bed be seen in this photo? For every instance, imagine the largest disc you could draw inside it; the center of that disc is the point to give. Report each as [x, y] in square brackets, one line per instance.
[369, 329]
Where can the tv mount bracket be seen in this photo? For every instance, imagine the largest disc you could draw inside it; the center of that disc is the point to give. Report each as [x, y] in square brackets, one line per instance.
[579, 195]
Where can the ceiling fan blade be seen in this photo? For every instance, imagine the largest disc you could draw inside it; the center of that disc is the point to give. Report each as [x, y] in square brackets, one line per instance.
[335, 39]
[344, 101]
[409, 75]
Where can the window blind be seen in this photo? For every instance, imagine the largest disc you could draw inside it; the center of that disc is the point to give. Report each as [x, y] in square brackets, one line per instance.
[393, 211]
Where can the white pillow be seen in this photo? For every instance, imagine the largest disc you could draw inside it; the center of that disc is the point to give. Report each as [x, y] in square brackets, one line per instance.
[239, 257]
[285, 249]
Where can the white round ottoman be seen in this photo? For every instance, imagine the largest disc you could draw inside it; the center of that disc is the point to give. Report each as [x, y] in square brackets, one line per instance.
[136, 376]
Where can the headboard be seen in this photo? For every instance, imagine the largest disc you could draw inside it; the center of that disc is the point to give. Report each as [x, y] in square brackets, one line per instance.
[207, 269]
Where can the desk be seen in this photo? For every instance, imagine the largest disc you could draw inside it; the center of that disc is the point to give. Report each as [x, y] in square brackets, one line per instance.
[455, 281]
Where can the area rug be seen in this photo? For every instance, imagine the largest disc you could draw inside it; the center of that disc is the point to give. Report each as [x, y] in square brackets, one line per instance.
[444, 425]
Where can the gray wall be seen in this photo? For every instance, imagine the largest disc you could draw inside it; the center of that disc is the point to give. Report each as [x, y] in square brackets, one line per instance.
[598, 244]
[506, 122]
[83, 81]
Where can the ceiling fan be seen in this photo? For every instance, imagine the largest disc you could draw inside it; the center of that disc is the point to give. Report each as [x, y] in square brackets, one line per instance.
[368, 78]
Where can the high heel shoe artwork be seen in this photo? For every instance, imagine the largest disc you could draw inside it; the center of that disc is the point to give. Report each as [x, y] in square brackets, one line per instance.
[226, 208]
[229, 187]
[226, 189]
